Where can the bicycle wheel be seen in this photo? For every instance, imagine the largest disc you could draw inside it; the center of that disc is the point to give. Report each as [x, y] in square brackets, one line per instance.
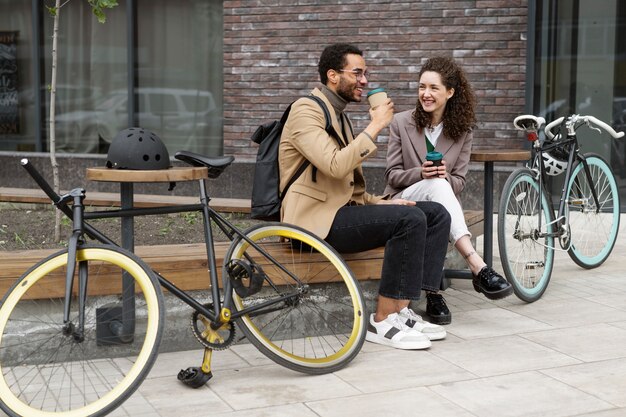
[526, 252]
[47, 368]
[319, 325]
[593, 228]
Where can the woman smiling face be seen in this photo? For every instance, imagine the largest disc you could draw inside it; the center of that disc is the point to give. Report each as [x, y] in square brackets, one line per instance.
[433, 95]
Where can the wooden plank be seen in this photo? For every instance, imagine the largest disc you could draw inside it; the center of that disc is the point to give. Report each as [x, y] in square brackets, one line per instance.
[156, 175]
[499, 155]
[186, 264]
[100, 199]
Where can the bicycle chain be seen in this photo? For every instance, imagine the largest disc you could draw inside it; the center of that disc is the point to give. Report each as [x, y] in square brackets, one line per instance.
[204, 338]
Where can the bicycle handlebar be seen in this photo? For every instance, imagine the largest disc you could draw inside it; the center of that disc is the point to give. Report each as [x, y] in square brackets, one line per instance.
[605, 127]
[40, 180]
[549, 126]
[573, 120]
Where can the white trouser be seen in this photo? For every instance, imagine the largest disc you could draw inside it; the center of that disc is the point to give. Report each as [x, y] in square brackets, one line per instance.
[440, 191]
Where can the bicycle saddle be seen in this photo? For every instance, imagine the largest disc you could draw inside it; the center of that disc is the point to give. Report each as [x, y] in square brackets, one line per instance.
[528, 122]
[215, 165]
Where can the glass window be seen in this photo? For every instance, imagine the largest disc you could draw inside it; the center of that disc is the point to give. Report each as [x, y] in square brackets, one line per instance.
[17, 95]
[580, 67]
[180, 62]
[163, 103]
[179, 75]
[91, 77]
[197, 102]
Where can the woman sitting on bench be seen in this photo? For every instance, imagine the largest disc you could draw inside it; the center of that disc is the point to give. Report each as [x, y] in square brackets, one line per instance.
[440, 126]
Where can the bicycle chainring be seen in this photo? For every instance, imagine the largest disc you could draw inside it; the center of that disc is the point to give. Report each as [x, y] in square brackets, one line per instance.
[216, 339]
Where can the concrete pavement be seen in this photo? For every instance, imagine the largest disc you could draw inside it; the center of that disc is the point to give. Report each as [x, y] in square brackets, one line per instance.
[564, 355]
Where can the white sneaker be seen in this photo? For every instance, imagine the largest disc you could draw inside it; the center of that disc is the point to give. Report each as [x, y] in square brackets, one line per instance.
[393, 332]
[413, 320]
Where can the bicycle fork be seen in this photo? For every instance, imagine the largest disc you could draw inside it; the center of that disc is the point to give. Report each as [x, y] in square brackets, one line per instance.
[69, 328]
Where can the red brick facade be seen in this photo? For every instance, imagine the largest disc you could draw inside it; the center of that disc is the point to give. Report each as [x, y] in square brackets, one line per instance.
[271, 49]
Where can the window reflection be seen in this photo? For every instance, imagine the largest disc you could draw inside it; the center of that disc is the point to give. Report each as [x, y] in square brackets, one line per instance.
[179, 75]
[580, 62]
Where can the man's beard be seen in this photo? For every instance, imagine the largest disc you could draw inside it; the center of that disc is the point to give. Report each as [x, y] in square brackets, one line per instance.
[346, 92]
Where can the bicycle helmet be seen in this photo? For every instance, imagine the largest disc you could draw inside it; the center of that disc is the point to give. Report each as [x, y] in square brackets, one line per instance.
[137, 148]
[555, 161]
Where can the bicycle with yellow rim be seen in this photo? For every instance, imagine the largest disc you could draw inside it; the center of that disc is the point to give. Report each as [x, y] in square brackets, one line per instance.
[80, 330]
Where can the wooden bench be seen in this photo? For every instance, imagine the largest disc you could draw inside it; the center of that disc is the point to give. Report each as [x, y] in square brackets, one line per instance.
[186, 264]
[99, 199]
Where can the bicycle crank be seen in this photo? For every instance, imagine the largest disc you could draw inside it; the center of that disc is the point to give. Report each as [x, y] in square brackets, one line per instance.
[210, 337]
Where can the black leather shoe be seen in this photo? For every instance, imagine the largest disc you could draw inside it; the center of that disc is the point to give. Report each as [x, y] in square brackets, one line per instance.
[492, 284]
[437, 310]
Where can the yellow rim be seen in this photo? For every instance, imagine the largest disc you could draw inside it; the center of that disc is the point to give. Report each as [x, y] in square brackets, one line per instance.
[343, 271]
[151, 299]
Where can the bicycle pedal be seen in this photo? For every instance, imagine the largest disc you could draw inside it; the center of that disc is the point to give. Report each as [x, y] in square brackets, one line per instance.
[194, 377]
[534, 265]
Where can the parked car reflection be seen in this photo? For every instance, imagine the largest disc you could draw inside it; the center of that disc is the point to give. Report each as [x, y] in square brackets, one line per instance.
[183, 118]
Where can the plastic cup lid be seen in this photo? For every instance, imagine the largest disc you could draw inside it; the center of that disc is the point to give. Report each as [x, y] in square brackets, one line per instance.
[434, 156]
[376, 90]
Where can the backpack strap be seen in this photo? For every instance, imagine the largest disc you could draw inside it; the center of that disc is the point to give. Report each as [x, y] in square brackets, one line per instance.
[329, 124]
[328, 128]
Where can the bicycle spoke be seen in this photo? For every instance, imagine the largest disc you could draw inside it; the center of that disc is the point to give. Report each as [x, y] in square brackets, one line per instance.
[315, 331]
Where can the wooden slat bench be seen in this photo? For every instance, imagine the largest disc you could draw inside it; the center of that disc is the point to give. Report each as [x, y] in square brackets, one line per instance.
[99, 199]
[186, 265]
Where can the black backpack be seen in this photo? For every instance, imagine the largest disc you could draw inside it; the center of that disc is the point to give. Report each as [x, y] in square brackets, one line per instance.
[266, 195]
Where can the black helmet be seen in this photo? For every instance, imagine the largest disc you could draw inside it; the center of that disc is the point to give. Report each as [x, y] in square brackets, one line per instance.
[137, 148]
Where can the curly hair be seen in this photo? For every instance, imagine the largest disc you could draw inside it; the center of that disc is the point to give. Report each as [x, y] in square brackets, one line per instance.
[334, 57]
[458, 116]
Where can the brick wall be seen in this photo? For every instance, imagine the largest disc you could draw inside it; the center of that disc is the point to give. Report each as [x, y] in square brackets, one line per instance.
[271, 50]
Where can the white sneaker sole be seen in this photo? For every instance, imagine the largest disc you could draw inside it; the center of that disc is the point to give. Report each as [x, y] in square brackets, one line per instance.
[406, 345]
[435, 336]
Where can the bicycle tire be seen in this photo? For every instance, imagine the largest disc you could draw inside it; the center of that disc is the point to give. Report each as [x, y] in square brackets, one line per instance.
[45, 370]
[593, 234]
[323, 328]
[527, 258]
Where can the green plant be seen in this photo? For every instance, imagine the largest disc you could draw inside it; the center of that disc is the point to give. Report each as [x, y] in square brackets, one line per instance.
[97, 7]
[167, 229]
[18, 239]
[191, 217]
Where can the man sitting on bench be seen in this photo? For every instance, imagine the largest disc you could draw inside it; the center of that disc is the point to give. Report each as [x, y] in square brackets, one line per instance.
[330, 200]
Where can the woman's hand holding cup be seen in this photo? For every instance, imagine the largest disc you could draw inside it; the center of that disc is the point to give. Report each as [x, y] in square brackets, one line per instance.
[431, 170]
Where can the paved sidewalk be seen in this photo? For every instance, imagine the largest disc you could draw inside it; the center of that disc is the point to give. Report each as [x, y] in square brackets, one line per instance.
[564, 355]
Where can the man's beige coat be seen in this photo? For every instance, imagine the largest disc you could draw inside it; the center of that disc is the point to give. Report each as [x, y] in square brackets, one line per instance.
[339, 179]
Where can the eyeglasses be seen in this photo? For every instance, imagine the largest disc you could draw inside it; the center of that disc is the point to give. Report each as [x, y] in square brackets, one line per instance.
[358, 73]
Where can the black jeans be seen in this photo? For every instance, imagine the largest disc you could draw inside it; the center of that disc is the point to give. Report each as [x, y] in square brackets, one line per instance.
[415, 240]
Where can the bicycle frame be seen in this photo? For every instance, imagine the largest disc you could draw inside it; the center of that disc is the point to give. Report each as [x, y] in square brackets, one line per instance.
[222, 310]
[537, 166]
